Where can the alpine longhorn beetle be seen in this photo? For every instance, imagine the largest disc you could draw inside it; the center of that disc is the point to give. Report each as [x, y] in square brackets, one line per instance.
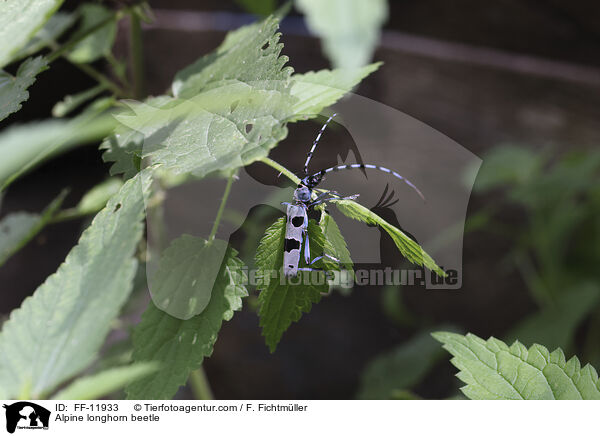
[296, 233]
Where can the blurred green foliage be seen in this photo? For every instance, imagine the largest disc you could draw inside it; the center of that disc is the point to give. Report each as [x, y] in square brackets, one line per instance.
[556, 246]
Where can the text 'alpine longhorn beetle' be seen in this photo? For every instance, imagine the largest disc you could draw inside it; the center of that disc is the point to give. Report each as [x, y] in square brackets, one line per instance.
[296, 233]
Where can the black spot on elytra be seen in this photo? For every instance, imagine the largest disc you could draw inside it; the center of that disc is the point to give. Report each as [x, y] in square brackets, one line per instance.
[291, 244]
[297, 221]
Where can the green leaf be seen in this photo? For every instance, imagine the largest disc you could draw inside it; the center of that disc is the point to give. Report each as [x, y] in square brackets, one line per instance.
[47, 35]
[250, 54]
[99, 385]
[229, 110]
[280, 305]
[349, 29]
[100, 42]
[493, 370]
[24, 146]
[180, 346]
[258, 7]
[19, 21]
[555, 326]
[93, 201]
[18, 228]
[124, 147]
[72, 102]
[181, 285]
[399, 369]
[66, 320]
[219, 130]
[409, 248]
[339, 250]
[269, 254]
[97, 197]
[123, 151]
[315, 91]
[283, 301]
[13, 90]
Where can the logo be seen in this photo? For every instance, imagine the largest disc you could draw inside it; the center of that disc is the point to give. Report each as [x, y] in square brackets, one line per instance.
[26, 415]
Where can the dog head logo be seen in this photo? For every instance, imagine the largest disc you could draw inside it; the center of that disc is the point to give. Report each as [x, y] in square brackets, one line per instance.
[26, 415]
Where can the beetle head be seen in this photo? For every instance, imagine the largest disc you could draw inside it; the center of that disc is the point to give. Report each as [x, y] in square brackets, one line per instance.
[302, 193]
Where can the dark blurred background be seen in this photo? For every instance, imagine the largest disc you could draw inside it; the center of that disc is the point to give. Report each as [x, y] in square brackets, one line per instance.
[484, 73]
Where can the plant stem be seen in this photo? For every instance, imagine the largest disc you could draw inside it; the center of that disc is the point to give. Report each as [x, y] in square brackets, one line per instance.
[69, 45]
[116, 67]
[86, 68]
[200, 385]
[137, 55]
[283, 170]
[100, 78]
[70, 214]
[215, 227]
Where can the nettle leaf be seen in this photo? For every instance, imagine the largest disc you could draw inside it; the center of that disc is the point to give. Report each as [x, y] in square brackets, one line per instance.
[52, 30]
[228, 111]
[317, 90]
[407, 247]
[218, 130]
[493, 370]
[66, 320]
[17, 229]
[283, 301]
[181, 285]
[124, 146]
[124, 151]
[399, 369]
[336, 241]
[19, 21]
[269, 254]
[103, 383]
[250, 54]
[97, 197]
[179, 345]
[349, 29]
[13, 89]
[24, 146]
[100, 42]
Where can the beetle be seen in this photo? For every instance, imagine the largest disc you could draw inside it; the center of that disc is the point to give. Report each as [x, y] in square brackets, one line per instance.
[296, 233]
